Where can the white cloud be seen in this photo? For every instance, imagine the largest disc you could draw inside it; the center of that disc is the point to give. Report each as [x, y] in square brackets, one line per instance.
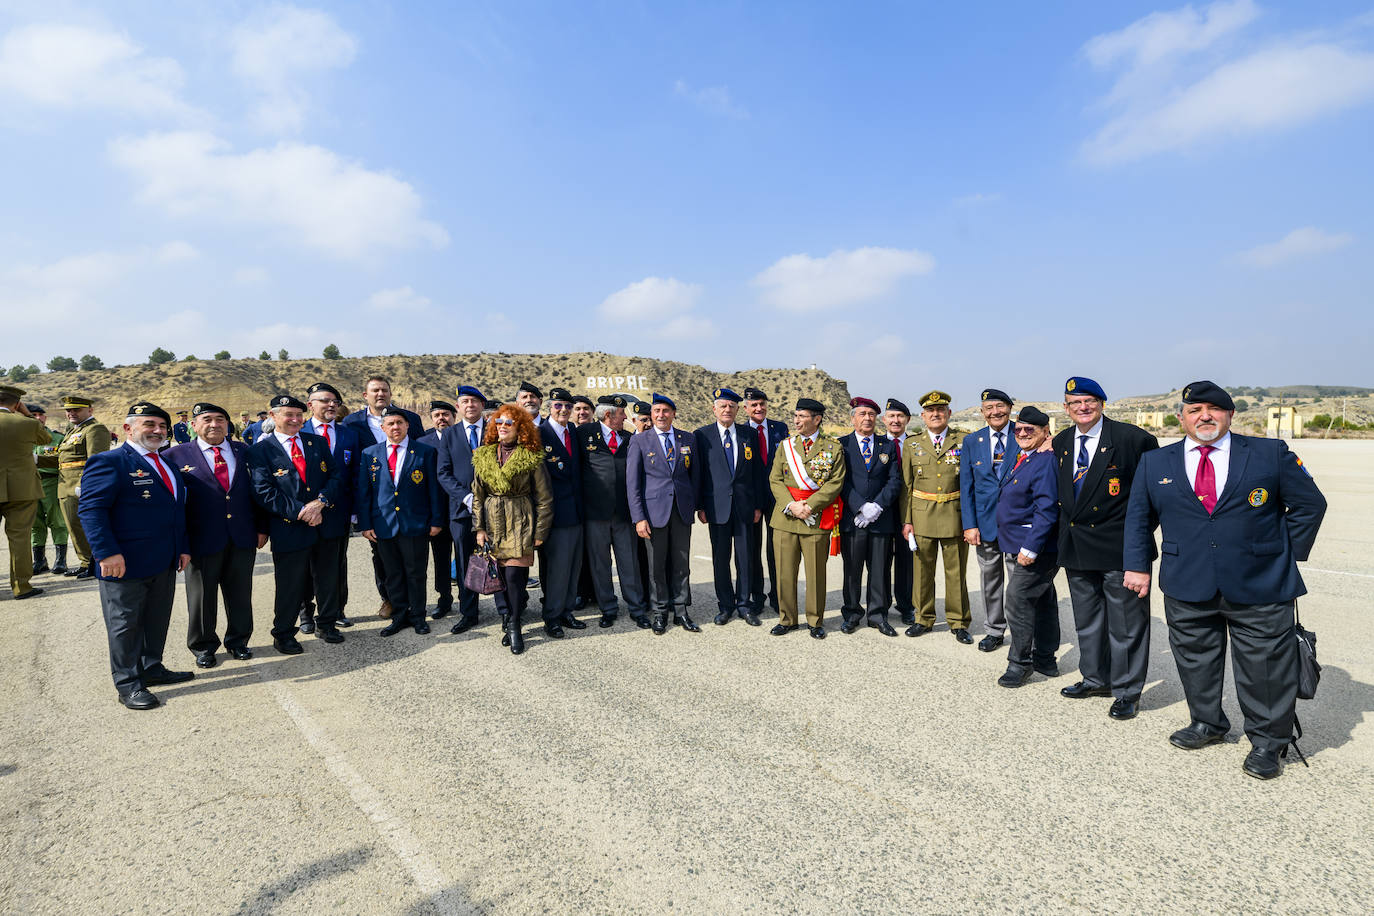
[275, 49]
[652, 298]
[1166, 98]
[252, 276]
[73, 67]
[715, 100]
[802, 283]
[1308, 240]
[400, 299]
[308, 193]
[172, 252]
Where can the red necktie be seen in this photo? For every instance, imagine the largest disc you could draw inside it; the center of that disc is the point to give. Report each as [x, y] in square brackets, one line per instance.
[325, 429]
[221, 468]
[157, 462]
[1205, 484]
[763, 444]
[298, 458]
[1019, 458]
[614, 444]
[391, 460]
[567, 440]
[897, 444]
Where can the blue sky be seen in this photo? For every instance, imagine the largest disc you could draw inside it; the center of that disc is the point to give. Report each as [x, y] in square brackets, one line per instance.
[909, 195]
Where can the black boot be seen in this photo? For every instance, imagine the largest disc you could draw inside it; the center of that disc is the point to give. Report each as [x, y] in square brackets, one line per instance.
[40, 560]
[517, 639]
[505, 629]
[59, 563]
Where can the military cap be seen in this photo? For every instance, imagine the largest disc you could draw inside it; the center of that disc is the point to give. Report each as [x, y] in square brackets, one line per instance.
[469, 391]
[754, 394]
[181, 413]
[811, 404]
[526, 386]
[285, 400]
[639, 409]
[36, 408]
[725, 394]
[997, 394]
[70, 401]
[442, 405]
[203, 407]
[392, 410]
[935, 398]
[664, 399]
[613, 400]
[490, 403]
[1206, 392]
[10, 391]
[894, 404]
[582, 399]
[864, 402]
[324, 386]
[148, 409]
[1080, 385]
[560, 394]
[1032, 415]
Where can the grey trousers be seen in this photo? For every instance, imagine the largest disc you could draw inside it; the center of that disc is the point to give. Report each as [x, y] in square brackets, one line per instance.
[994, 568]
[1264, 657]
[1033, 609]
[560, 564]
[137, 613]
[1113, 627]
[600, 540]
[670, 559]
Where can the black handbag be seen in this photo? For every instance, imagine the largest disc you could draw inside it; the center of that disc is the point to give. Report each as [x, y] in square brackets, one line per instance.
[1309, 671]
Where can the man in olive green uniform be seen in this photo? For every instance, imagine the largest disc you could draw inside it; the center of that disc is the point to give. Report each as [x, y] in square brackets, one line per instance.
[49, 517]
[19, 487]
[930, 510]
[85, 439]
[806, 478]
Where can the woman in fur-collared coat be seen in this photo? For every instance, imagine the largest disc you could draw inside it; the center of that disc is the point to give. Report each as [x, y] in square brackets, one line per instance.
[512, 508]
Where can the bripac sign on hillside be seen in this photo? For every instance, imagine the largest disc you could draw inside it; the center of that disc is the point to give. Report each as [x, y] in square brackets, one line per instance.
[618, 382]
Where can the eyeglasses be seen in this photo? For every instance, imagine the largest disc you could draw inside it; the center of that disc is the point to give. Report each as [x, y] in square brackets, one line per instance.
[503, 421]
[560, 405]
[1027, 430]
[1081, 402]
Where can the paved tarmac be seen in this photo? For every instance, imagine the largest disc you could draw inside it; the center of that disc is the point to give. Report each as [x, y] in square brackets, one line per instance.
[719, 772]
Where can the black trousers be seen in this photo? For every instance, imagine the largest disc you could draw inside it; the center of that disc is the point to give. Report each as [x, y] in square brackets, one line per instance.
[903, 576]
[441, 550]
[1032, 610]
[464, 543]
[601, 539]
[515, 597]
[670, 558]
[308, 601]
[292, 572]
[1113, 625]
[137, 613]
[1264, 658]
[230, 571]
[761, 553]
[405, 560]
[862, 550]
[378, 572]
[733, 537]
[560, 566]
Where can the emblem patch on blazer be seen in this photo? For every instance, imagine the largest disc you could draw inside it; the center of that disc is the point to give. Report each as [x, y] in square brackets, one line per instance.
[139, 473]
[280, 472]
[324, 467]
[417, 475]
[348, 453]
[1165, 480]
[748, 453]
[882, 456]
[1258, 497]
[147, 495]
[1114, 486]
[186, 469]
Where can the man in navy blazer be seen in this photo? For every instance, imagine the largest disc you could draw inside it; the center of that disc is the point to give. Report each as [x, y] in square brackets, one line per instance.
[133, 510]
[769, 436]
[324, 403]
[399, 505]
[442, 415]
[868, 520]
[661, 480]
[730, 503]
[226, 529]
[455, 475]
[988, 457]
[560, 556]
[297, 483]
[1236, 515]
[896, 418]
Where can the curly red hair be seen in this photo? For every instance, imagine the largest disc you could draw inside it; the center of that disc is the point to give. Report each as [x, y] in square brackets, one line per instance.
[526, 434]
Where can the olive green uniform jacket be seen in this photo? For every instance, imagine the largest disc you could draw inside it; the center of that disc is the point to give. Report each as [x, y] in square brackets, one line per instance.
[83, 441]
[825, 464]
[930, 497]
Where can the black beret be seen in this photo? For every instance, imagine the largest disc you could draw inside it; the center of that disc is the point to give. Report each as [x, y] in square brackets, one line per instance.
[754, 394]
[639, 409]
[490, 404]
[1205, 392]
[442, 405]
[526, 386]
[559, 394]
[148, 409]
[285, 400]
[997, 394]
[810, 404]
[36, 408]
[582, 399]
[261, 414]
[614, 400]
[392, 410]
[894, 404]
[203, 407]
[323, 386]
[1032, 415]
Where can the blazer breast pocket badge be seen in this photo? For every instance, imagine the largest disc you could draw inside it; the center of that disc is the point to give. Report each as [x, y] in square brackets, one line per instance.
[324, 467]
[1114, 486]
[417, 475]
[280, 472]
[1258, 497]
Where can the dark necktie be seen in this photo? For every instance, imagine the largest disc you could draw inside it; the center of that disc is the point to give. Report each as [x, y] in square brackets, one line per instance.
[999, 453]
[897, 446]
[567, 441]
[806, 446]
[472, 437]
[668, 450]
[730, 451]
[1081, 464]
[1205, 483]
[221, 468]
[298, 458]
[867, 453]
[763, 444]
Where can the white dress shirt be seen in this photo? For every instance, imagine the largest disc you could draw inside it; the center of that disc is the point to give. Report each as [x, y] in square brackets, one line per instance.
[401, 448]
[606, 436]
[374, 423]
[225, 452]
[333, 427]
[155, 463]
[467, 436]
[1094, 436]
[1220, 459]
[937, 440]
[558, 430]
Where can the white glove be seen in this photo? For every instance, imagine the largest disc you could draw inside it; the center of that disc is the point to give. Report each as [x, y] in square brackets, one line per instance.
[76, 490]
[859, 520]
[870, 513]
[467, 502]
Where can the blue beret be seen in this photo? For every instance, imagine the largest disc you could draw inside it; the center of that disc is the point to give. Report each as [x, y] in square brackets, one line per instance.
[1206, 392]
[1080, 385]
[470, 392]
[725, 394]
[664, 399]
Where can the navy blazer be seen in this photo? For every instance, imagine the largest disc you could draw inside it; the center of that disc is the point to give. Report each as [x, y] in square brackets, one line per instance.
[653, 489]
[250, 433]
[603, 473]
[455, 467]
[358, 421]
[216, 519]
[1265, 520]
[725, 496]
[281, 493]
[777, 433]
[125, 509]
[979, 483]
[432, 439]
[880, 482]
[348, 451]
[1092, 524]
[410, 509]
[565, 476]
[1028, 506]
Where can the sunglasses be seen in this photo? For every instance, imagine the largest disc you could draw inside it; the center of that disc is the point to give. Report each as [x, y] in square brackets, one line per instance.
[1027, 430]
[504, 421]
[560, 405]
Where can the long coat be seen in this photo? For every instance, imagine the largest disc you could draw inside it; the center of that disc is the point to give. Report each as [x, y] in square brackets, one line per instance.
[513, 503]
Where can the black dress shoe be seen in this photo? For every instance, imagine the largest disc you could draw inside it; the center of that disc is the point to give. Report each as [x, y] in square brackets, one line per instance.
[241, 654]
[641, 621]
[849, 626]
[918, 629]
[139, 699]
[392, 628]
[1124, 709]
[343, 621]
[1080, 690]
[883, 627]
[908, 617]
[1014, 678]
[205, 659]
[1048, 669]
[607, 621]
[818, 632]
[687, 623]
[441, 612]
[782, 629]
[156, 677]
[287, 646]
[308, 627]
[463, 625]
[962, 636]
[990, 643]
[85, 572]
[74, 571]
[31, 593]
[554, 631]
[723, 618]
[422, 628]
[329, 635]
[1195, 736]
[1262, 764]
[752, 618]
[660, 624]
[571, 622]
